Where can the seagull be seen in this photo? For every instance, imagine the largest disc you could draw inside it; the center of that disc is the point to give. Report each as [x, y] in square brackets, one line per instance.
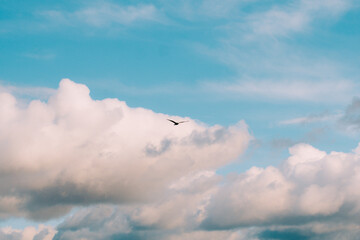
[176, 123]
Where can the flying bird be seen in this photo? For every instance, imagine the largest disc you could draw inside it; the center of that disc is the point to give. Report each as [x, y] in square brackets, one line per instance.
[176, 123]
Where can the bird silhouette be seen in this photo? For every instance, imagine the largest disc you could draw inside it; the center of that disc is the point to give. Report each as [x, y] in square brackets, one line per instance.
[176, 123]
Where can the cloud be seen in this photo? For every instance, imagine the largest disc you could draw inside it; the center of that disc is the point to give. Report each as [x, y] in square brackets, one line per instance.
[282, 142]
[73, 150]
[312, 118]
[190, 193]
[28, 92]
[134, 175]
[312, 195]
[206, 9]
[175, 216]
[294, 17]
[310, 186]
[252, 198]
[351, 118]
[29, 233]
[180, 207]
[99, 222]
[294, 90]
[104, 14]
[261, 45]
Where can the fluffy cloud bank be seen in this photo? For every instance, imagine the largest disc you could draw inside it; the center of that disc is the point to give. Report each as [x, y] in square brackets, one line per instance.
[313, 195]
[73, 150]
[134, 175]
[314, 192]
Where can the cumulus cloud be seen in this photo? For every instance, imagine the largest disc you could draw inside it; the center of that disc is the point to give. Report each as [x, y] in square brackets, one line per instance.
[73, 150]
[176, 215]
[29, 233]
[28, 92]
[312, 195]
[251, 198]
[134, 175]
[310, 186]
[180, 208]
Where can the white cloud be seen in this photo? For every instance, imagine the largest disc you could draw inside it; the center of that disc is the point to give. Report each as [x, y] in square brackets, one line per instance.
[183, 205]
[251, 198]
[313, 194]
[294, 90]
[295, 17]
[311, 186]
[262, 47]
[73, 150]
[104, 14]
[313, 118]
[28, 92]
[320, 200]
[278, 22]
[29, 233]
[112, 13]
[204, 9]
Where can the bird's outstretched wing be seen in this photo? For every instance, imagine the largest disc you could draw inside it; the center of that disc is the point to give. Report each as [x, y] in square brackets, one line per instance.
[172, 121]
[182, 121]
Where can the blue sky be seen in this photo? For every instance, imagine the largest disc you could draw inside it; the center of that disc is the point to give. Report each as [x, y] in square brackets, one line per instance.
[288, 69]
[174, 58]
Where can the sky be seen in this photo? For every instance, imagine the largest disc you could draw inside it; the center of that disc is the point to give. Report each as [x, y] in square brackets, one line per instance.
[269, 90]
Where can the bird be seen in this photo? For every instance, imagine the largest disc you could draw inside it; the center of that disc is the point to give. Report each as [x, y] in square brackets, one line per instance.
[176, 123]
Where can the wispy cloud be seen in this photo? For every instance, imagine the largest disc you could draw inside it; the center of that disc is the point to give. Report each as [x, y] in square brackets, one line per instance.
[30, 92]
[262, 48]
[104, 14]
[204, 9]
[294, 17]
[312, 118]
[323, 91]
[351, 118]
